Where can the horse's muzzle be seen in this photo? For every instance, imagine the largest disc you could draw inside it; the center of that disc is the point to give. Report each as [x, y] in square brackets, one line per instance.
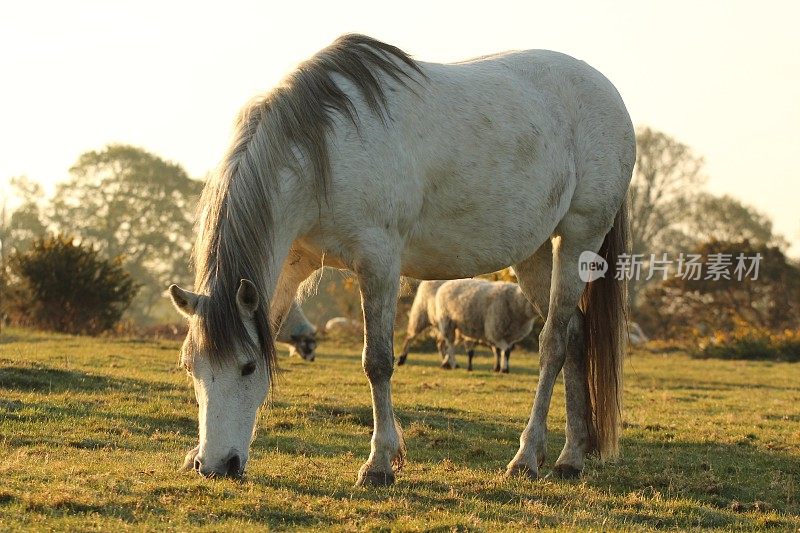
[232, 467]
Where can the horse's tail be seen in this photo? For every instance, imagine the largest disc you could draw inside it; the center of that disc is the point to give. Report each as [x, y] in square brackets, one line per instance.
[604, 306]
[417, 323]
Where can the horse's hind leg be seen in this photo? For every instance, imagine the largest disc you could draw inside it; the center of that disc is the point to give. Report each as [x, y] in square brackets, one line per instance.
[379, 287]
[534, 278]
[579, 423]
[561, 311]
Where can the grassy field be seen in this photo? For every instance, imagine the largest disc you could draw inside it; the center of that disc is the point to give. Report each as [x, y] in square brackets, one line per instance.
[92, 432]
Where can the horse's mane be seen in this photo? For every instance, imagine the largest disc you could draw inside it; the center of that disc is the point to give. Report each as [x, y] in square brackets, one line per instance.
[235, 219]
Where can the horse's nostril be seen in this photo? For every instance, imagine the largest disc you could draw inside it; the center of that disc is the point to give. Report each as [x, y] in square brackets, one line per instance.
[197, 464]
[234, 466]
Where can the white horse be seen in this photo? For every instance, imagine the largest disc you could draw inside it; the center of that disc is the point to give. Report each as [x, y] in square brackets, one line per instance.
[388, 166]
[298, 333]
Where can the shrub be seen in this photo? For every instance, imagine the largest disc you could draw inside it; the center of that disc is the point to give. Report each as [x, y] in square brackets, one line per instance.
[677, 307]
[68, 287]
[751, 343]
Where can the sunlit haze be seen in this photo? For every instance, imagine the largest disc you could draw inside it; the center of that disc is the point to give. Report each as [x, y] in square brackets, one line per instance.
[722, 77]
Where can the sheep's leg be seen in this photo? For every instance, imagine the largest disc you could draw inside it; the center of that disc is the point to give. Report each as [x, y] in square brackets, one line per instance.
[404, 352]
[497, 355]
[469, 346]
[506, 357]
[448, 331]
[441, 345]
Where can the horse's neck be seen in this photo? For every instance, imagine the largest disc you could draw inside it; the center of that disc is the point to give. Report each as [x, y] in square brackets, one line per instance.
[292, 212]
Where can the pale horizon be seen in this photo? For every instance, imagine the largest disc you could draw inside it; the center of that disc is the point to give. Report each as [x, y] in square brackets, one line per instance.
[721, 77]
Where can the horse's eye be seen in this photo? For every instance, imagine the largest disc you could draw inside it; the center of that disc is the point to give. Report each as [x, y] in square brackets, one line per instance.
[248, 369]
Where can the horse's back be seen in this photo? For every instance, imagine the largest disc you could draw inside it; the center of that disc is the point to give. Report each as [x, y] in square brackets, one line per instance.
[479, 161]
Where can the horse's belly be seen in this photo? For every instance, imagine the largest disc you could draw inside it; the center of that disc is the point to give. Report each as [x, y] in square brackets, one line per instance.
[465, 247]
[486, 201]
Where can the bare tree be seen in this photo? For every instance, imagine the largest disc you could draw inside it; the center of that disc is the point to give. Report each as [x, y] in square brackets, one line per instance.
[26, 222]
[726, 219]
[3, 261]
[666, 179]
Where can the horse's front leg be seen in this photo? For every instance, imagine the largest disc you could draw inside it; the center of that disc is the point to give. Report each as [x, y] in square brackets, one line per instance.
[379, 286]
[296, 269]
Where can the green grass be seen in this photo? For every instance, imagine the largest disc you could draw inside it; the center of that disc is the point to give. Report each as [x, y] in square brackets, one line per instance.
[92, 432]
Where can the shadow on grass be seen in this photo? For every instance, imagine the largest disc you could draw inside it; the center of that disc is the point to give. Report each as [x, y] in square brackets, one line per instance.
[673, 485]
[69, 507]
[40, 378]
[652, 484]
[82, 413]
[10, 338]
[431, 431]
[651, 475]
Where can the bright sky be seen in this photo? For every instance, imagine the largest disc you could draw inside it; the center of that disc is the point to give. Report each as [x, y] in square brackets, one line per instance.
[721, 76]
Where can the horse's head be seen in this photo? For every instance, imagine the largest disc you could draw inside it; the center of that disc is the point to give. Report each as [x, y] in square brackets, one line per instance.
[229, 389]
[304, 345]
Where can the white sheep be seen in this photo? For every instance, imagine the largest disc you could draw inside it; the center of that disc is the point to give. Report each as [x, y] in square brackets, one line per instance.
[496, 314]
[298, 333]
[422, 316]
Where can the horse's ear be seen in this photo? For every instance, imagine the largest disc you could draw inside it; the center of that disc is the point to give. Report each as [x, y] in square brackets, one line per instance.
[247, 298]
[184, 301]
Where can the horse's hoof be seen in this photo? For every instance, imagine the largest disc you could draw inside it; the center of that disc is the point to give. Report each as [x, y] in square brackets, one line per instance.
[496, 369]
[401, 360]
[565, 471]
[504, 371]
[369, 478]
[522, 470]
